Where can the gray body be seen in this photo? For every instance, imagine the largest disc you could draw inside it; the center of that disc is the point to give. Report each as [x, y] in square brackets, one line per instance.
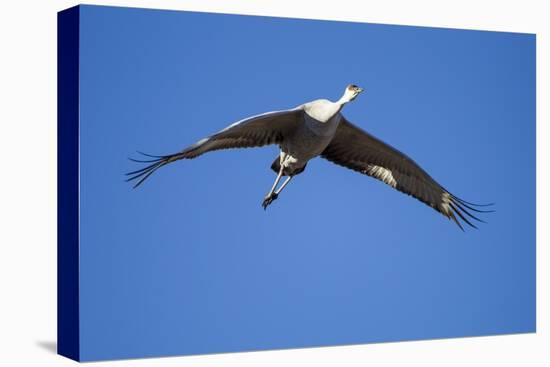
[315, 132]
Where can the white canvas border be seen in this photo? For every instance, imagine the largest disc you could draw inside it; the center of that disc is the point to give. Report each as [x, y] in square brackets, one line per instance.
[28, 185]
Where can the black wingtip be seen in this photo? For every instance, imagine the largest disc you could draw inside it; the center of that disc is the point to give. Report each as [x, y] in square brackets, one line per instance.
[457, 211]
[465, 211]
[460, 210]
[453, 217]
[470, 203]
[142, 161]
[150, 155]
[143, 173]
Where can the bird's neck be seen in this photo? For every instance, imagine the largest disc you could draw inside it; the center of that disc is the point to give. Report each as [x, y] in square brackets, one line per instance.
[340, 104]
[344, 99]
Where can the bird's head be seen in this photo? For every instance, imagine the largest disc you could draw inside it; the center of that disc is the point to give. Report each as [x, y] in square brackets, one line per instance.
[351, 92]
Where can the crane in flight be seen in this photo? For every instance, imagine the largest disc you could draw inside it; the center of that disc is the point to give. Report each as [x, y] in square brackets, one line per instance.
[318, 128]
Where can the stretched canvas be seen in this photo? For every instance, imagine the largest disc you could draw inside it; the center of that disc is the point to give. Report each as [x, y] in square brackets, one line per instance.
[198, 259]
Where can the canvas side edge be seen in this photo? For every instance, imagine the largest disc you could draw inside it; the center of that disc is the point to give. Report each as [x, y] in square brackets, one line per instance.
[68, 315]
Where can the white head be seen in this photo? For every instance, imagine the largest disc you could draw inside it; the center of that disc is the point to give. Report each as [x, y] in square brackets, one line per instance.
[351, 92]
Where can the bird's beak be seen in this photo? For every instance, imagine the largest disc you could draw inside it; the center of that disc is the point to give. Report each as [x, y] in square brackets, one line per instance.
[360, 90]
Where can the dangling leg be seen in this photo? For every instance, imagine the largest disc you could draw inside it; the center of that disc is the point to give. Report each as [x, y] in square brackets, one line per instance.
[275, 194]
[296, 172]
[283, 185]
[272, 195]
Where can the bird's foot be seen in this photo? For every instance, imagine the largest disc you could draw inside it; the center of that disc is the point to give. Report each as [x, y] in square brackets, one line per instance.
[269, 199]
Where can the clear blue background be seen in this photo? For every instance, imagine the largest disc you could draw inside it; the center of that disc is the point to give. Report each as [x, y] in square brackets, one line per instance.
[190, 263]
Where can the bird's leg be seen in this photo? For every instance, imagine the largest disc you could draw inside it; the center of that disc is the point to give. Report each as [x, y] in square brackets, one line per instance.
[272, 195]
[279, 175]
[283, 185]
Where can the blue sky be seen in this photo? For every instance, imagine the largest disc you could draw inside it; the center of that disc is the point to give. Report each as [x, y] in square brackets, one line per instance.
[190, 263]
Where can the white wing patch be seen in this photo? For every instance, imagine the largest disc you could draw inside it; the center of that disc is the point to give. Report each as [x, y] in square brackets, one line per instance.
[381, 173]
[445, 203]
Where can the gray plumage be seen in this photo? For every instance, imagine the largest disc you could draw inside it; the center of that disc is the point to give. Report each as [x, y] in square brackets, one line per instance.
[316, 129]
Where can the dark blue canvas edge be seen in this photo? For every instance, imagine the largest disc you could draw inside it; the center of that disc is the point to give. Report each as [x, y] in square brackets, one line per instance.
[68, 331]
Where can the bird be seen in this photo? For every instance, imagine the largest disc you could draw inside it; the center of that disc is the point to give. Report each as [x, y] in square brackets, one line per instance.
[319, 129]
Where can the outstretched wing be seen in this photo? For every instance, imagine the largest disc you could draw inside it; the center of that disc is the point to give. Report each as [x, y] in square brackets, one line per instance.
[356, 149]
[256, 131]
